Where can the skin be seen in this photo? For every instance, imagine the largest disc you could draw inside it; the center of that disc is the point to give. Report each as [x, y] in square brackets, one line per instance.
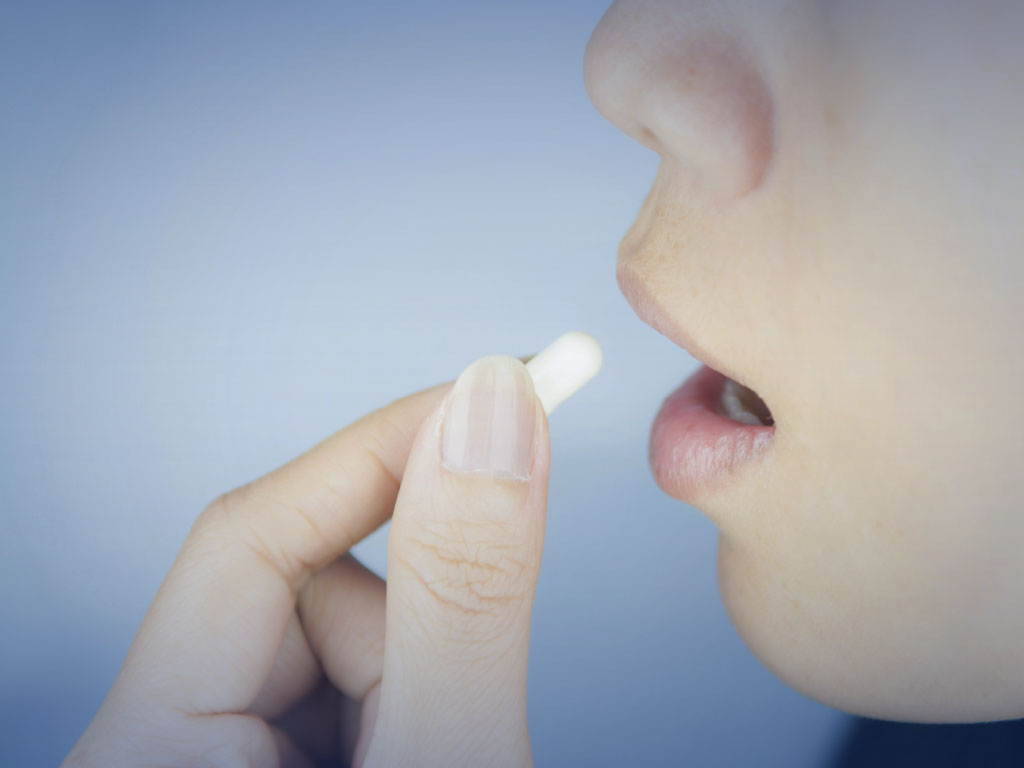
[269, 645]
[836, 218]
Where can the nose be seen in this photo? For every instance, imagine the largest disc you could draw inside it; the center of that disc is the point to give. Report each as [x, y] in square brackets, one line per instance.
[676, 80]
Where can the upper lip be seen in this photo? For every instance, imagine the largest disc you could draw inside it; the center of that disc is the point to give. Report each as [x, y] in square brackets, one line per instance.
[641, 297]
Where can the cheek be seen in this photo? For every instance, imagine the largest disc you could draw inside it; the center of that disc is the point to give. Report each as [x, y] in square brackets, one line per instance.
[878, 576]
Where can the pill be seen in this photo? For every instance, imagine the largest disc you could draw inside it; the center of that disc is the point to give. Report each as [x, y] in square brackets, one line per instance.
[562, 368]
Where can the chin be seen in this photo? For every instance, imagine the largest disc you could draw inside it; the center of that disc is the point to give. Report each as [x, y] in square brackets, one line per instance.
[855, 661]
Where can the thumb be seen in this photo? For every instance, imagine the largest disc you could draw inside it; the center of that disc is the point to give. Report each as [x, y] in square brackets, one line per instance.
[463, 557]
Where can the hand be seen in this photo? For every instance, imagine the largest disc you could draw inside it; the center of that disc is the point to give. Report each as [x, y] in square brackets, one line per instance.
[268, 645]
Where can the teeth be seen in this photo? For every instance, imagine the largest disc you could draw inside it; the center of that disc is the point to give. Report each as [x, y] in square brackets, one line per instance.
[742, 404]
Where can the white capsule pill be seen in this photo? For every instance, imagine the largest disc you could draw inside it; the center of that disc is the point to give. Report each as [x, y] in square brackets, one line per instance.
[563, 367]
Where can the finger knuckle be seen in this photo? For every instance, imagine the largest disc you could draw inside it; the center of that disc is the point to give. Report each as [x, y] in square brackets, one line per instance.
[477, 569]
[232, 519]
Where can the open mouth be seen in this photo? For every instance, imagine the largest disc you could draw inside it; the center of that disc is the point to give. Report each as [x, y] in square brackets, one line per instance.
[711, 425]
[742, 404]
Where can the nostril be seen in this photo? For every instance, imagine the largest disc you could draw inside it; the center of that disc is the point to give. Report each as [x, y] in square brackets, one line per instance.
[646, 137]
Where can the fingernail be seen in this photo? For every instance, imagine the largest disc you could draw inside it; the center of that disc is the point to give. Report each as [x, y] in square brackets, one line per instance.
[490, 419]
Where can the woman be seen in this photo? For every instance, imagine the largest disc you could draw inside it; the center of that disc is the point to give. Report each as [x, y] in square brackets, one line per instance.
[834, 229]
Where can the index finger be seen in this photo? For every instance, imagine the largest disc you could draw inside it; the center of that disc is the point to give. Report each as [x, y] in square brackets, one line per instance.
[309, 511]
[211, 635]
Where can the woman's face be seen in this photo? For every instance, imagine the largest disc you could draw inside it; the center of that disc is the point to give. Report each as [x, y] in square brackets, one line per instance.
[837, 219]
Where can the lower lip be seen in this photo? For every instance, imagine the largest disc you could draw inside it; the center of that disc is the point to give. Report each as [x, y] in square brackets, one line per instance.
[694, 449]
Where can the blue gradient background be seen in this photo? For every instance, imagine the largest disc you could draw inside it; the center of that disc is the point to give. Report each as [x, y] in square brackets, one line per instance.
[227, 231]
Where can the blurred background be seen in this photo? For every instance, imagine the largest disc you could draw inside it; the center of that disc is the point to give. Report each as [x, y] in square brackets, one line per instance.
[227, 231]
